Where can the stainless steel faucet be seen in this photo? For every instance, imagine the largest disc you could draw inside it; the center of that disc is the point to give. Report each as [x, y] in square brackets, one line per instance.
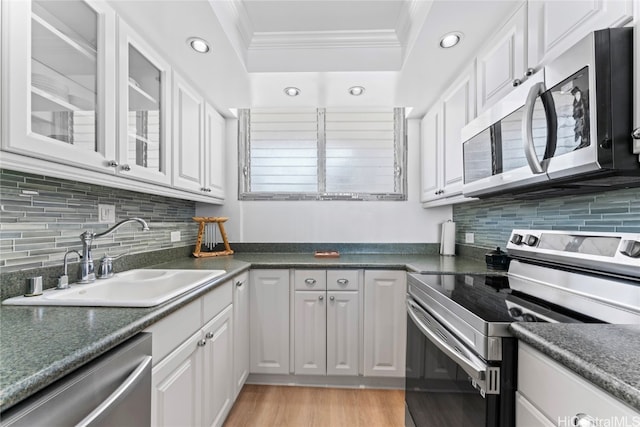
[87, 269]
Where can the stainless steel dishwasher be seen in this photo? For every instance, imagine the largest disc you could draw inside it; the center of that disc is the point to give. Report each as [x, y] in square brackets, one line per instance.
[113, 390]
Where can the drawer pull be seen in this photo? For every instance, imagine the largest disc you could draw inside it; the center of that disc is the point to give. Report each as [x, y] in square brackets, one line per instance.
[343, 282]
[202, 343]
[310, 282]
[209, 335]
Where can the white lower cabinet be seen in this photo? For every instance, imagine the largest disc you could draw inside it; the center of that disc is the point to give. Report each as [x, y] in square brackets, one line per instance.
[240, 331]
[385, 323]
[269, 330]
[580, 402]
[326, 322]
[192, 377]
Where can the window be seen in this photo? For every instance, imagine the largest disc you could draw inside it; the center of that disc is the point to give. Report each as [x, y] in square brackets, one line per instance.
[322, 154]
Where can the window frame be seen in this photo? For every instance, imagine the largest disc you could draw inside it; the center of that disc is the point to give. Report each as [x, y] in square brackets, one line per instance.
[399, 162]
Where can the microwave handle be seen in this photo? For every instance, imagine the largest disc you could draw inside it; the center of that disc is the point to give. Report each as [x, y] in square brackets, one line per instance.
[527, 128]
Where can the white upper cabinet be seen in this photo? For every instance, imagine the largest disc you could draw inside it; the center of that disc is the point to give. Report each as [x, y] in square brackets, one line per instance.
[214, 138]
[502, 62]
[441, 127]
[555, 25]
[60, 81]
[188, 147]
[144, 120]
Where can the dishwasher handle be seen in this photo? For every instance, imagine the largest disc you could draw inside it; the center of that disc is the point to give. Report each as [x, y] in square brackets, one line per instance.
[111, 402]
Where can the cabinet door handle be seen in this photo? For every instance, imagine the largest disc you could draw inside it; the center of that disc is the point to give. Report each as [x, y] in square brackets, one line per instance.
[209, 335]
[332, 298]
[239, 283]
[636, 134]
[516, 82]
[202, 343]
[112, 164]
[321, 298]
[125, 168]
[343, 282]
[530, 72]
[310, 282]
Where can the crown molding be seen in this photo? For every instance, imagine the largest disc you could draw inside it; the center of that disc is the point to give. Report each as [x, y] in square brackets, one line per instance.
[324, 39]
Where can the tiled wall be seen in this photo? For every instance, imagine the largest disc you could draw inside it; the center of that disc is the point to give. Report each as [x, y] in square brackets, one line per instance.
[492, 221]
[41, 218]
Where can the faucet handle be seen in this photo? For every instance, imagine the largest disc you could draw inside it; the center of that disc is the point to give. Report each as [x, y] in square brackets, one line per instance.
[105, 270]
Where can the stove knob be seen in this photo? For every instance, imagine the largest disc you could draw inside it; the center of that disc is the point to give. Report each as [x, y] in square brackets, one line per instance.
[630, 248]
[515, 311]
[530, 240]
[528, 317]
[516, 239]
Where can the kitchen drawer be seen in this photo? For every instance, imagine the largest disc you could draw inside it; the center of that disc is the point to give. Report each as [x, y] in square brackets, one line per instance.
[310, 280]
[343, 280]
[171, 331]
[528, 415]
[540, 378]
[216, 300]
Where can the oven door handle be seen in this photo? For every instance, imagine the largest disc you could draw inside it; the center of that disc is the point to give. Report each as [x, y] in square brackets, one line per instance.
[475, 368]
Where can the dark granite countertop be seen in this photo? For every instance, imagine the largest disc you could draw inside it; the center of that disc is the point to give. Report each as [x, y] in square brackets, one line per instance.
[607, 355]
[42, 344]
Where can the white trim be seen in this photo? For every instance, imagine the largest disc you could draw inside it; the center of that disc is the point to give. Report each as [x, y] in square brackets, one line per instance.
[324, 39]
[328, 381]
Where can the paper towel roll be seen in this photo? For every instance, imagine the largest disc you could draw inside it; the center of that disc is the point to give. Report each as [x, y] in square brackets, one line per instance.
[448, 238]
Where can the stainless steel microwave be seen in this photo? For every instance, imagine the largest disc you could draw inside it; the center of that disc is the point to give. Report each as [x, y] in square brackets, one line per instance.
[567, 129]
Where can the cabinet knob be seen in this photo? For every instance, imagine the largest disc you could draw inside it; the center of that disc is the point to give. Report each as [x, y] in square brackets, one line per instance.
[112, 164]
[209, 335]
[310, 281]
[321, 298]
[636, 133]
[516, 82]
[332, 298]
[239, 283]
[584, 420]
[125, 168]
[343, 282]
[530, 72]
[202, 343]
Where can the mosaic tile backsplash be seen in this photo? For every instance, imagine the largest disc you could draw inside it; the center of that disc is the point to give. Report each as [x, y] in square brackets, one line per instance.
[491, 221]
[41, 218]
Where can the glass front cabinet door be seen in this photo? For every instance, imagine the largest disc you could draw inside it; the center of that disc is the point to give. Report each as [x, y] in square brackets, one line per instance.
[143, 81]
[60, 82]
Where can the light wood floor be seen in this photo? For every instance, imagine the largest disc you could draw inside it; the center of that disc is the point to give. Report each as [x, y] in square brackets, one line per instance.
[284, 406]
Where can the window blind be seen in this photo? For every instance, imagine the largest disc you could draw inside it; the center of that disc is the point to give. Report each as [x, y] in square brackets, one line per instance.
[283, 151]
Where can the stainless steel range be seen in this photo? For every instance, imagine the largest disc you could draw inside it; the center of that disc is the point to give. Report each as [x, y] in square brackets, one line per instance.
[461, 357]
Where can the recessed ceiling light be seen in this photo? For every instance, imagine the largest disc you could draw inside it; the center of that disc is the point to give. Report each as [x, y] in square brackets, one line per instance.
[356, 90]
[198, 44]
[450, 40]
[292, 91]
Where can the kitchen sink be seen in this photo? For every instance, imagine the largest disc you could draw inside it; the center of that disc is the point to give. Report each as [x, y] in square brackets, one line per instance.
[133, 288]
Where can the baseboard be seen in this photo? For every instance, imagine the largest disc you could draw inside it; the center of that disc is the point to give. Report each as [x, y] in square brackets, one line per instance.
[327, 381]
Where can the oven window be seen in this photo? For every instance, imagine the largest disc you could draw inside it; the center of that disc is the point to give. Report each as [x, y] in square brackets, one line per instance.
[438, 392]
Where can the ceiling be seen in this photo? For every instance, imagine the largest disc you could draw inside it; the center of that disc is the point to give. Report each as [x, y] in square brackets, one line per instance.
[322, 47]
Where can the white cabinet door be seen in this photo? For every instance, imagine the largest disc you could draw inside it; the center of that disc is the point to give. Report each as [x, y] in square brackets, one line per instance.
[458, 108]
[430, 150]
[310, 332]
[176, 386]
[144, 83]
[385, 323]
[240, 331]
[343, 332]
[503, 60]
[188, 152]
[269, 308]
[217, 388]
[528, 415]
[60, 82]
[555, 25]
[214, 138]
[636, 82]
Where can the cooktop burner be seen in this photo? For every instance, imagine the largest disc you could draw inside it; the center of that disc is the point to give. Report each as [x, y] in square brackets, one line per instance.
[489, 297]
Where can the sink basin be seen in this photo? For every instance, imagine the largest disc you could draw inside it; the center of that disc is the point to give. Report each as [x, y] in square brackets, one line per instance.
[133, 288]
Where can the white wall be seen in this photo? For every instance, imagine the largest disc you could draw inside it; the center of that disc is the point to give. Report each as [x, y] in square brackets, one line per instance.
[329, 221]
